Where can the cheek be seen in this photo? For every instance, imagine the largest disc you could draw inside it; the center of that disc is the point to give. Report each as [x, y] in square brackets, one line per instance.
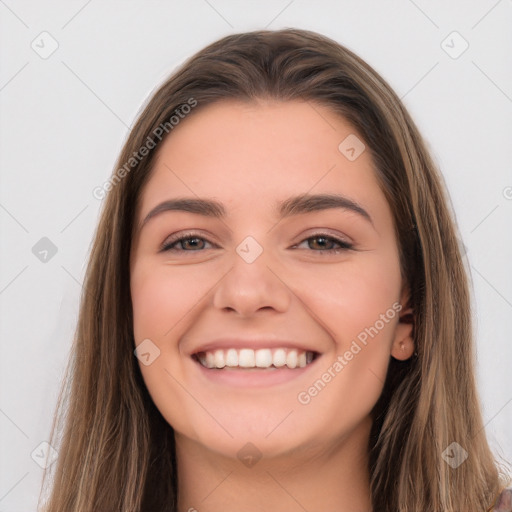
[150, 297]
[358, 306]
[161, 298]
[352, 297]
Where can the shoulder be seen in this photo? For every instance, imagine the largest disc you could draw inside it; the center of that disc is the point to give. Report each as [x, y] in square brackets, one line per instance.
[504, 502]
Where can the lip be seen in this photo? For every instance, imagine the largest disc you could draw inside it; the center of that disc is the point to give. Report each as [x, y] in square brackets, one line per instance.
[252, 377]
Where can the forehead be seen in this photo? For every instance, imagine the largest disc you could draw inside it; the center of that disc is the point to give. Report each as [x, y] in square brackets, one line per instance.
[248, 155]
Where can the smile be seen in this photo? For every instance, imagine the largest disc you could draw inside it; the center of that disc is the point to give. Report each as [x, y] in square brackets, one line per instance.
[247, 358]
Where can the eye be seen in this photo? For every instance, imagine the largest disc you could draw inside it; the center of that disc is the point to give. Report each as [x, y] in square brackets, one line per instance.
[324, 240]
[190, 240]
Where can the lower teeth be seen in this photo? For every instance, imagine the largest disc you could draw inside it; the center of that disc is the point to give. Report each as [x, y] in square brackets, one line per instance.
[242, 368]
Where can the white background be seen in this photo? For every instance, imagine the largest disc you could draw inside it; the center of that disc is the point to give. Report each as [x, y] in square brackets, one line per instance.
[65, 118]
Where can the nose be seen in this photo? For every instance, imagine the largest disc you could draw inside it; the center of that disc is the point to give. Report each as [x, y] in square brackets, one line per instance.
[250, 286]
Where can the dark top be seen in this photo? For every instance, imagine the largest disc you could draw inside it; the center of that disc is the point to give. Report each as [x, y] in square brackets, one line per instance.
[504, 502]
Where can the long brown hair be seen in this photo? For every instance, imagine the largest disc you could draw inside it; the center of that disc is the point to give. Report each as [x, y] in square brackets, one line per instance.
[116, 452]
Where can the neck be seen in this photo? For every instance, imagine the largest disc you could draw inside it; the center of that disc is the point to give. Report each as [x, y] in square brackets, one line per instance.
[333, 476]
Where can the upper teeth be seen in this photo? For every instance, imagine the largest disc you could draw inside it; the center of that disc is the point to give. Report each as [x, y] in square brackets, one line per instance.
[249, 358]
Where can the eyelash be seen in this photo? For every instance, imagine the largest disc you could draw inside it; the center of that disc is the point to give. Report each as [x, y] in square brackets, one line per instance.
[344, 246]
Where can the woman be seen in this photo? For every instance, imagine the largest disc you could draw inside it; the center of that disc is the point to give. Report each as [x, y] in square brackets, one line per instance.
[225, 357]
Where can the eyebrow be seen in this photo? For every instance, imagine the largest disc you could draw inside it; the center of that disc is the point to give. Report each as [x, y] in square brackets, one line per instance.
[297, 205]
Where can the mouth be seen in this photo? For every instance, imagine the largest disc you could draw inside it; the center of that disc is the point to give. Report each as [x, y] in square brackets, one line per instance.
[255, 359]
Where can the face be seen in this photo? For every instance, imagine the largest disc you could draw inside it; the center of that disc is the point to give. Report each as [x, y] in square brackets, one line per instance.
[270, 316]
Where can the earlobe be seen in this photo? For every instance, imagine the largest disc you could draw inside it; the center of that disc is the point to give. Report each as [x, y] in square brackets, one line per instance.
[403, 347]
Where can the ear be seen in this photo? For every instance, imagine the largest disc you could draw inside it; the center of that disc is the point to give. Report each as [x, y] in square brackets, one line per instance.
[403, 343]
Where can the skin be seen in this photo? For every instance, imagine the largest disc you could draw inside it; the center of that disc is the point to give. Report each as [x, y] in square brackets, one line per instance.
[248, 156]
